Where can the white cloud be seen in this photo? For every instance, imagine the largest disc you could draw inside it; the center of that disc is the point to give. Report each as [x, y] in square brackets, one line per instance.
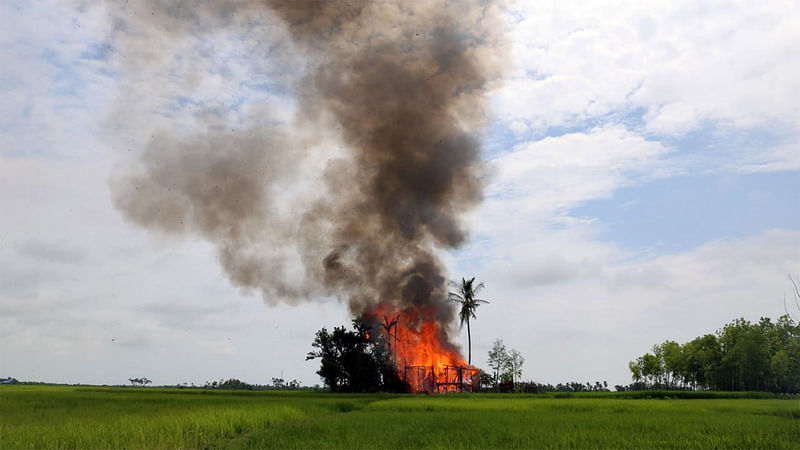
[178, 73]
[557, 173]
[685, 63]
[51, 89]
[784, 156]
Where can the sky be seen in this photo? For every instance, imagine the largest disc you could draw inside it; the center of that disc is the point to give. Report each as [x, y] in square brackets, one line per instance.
[643, 184]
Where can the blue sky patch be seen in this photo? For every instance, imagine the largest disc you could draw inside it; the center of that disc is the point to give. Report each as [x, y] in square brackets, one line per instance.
[683, 212]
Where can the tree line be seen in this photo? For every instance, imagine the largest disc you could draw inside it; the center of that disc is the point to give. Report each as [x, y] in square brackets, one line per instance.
[143, 381]
[741, 356]
[236, 384]
[572, 386]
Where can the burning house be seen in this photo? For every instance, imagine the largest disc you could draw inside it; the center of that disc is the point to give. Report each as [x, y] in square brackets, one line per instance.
[422, 356]
[441, 379]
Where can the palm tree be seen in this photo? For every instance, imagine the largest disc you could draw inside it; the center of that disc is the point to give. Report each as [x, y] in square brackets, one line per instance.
[465, 296]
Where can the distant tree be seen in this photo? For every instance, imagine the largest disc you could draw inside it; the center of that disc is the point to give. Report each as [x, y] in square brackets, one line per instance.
[636, 371]
[139, 381]
[498, 359]
[233, 383]
[465, 295]
[506, 364]
[702, 357]
[486, 379]
[785, 360]
[573, 387]
[670, 352]
[281, 384]
[651, 368]
[514, 365]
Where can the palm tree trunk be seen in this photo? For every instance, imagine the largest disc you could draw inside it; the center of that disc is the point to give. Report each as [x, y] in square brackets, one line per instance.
[469, 345]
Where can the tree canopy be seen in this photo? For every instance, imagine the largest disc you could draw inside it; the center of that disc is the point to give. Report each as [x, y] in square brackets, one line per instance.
[352, 362]
[465, 295]
[741, 356]
[506, 365]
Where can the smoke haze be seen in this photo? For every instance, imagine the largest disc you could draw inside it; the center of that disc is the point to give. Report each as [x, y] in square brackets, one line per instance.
[400, 87]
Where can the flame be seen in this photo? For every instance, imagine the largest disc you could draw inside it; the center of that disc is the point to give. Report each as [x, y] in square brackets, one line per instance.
[422, 355]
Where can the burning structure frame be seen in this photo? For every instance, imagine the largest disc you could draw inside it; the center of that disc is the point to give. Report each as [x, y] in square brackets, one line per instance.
[450, 379]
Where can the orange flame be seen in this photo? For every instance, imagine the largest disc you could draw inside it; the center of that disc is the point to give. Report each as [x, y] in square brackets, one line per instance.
[423, 357]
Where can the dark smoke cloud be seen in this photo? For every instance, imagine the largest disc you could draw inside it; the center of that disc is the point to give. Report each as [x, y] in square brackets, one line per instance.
[401, 86]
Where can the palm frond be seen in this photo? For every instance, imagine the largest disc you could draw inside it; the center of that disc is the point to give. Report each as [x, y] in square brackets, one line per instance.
[456, 297]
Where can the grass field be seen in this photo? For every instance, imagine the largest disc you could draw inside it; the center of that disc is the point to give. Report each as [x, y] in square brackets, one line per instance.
[67, 417]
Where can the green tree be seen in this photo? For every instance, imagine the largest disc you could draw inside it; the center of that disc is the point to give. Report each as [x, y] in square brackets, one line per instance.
[745, 358]
[700, 361]
[740, 356]
[465, 295]
[498, 359]
[636, 371]
[785, 355]
[349, 361]
[234, 383]
[514, 365]
[673, 360]
[651, 369]
[710, 358]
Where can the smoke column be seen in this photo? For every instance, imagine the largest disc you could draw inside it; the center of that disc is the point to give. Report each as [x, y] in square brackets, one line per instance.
[401, 86]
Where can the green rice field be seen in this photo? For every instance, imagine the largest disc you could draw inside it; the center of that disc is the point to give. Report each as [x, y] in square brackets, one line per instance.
[85, 417]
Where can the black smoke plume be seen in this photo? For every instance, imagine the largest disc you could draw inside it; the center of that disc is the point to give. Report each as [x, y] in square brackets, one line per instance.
[402, 88]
